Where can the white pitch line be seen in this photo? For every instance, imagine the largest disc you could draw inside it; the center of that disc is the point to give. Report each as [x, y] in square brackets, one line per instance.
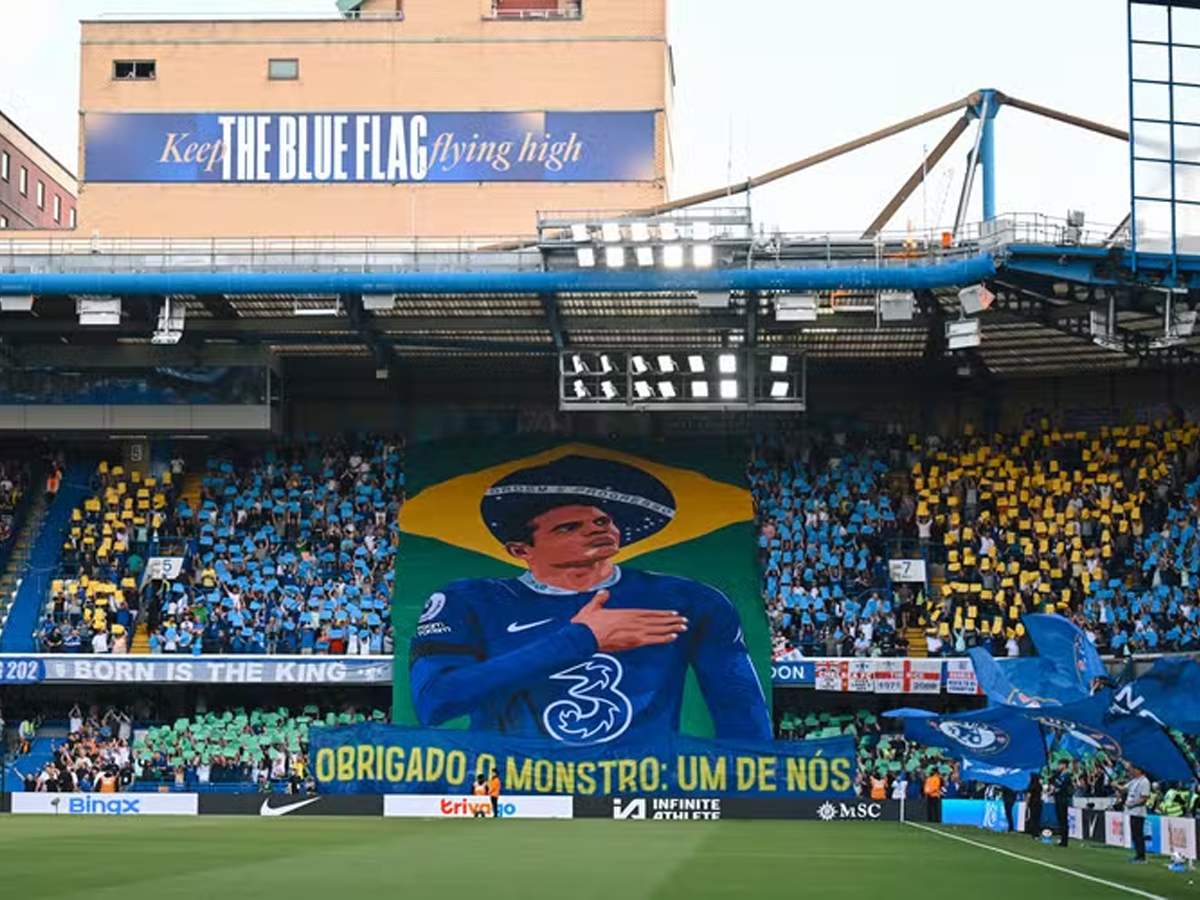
[1039, 862]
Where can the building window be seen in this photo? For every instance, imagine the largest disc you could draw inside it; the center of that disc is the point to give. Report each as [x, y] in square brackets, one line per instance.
[58, 209]
[23, 182]
[537, 9]
[74, 222]
[3, 165]
[41, 195]
[3, 222]
[283, 69]
[134, 69]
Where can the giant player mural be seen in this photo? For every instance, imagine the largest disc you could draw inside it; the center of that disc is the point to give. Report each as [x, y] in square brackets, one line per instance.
[579, 648]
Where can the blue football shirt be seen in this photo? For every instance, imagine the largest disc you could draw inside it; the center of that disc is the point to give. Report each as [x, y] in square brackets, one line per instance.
[504, 652]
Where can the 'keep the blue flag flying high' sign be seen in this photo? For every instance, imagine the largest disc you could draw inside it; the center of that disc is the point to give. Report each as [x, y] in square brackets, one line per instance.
[369, 147]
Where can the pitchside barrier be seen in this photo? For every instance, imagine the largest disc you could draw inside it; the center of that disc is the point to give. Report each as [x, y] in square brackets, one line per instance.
[432, 806]
[1165, 835]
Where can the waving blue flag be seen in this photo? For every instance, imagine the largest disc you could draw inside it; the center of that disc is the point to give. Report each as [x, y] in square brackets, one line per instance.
[1070, 660]
[987, 773]
[1094, 725]
[1063, 671]
[1169, 694]
[997, 736]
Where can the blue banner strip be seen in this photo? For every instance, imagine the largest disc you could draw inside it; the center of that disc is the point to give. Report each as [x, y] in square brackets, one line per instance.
[369, 147]
[387, 759]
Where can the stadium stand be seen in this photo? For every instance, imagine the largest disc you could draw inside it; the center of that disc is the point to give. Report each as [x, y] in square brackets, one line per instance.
[289, 551]
[66, 488]
[236, 750]
[1100, 526]
[825, 525]
[231, 751]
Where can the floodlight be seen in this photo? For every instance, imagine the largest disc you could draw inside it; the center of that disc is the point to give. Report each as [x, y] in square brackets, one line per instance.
[975, 299]
[702, 256]
[586, 257]
[379, 302]
[581, 391]
[606, 365]
[667, 390]
[611, 232]
[640, 232]
[673, 256]
[580, 233]
[702, 231]
[645, 256]
[577, 364]
[727, 364]
[666, 364]
[729, 389]
[16, 304]
[668, 231]
[779, 390]
[93, 311]
[779, 364]
[643, 390]
[609, 390]
[614, 257]
[696, 364]
[798, 308]
[699, 390]
[640, 366]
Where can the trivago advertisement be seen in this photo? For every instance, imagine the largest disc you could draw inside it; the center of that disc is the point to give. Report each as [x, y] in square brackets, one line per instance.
[590, 616]
[369, 147]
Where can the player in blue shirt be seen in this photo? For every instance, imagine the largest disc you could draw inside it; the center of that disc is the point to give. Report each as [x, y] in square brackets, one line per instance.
[577, 649]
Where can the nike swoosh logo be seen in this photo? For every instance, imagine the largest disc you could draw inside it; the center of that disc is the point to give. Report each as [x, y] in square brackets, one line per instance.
[267, 810]
[516, 627]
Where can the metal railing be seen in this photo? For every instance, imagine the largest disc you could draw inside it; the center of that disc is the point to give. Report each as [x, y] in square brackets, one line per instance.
[566, 9]
[328, 13]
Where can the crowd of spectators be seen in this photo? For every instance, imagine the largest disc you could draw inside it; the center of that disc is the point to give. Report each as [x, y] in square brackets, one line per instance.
[265, 748]
[1102, 527]
[95, 757]
[290, 550]
[260, 749]
[14, 483]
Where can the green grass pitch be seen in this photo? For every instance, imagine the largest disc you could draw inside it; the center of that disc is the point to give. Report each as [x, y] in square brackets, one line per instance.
[341, 859]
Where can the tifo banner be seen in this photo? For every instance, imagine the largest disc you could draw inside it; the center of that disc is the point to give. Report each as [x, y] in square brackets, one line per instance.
[105, 804]
[960, 677]
[21, 670]
[580, 594]
[386, 759]
[922, 676]
[800, 672]
[55, 668]
[880, 676]
[369, 147]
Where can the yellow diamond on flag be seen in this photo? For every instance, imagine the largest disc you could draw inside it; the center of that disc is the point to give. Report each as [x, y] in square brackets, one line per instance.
[451, 511]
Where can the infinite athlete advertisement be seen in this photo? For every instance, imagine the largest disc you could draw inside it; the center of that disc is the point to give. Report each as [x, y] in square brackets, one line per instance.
[584, 605]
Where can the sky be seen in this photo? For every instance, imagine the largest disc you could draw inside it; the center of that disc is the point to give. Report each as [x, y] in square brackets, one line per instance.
[760, 83]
